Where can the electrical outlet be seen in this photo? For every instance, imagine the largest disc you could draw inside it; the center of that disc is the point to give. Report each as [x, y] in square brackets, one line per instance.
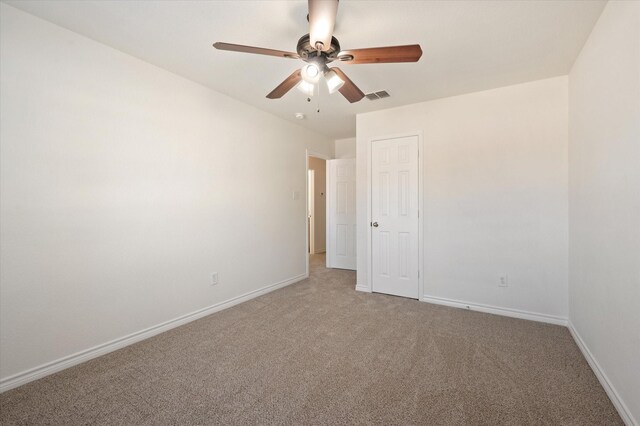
[214, 278]
[504, 281]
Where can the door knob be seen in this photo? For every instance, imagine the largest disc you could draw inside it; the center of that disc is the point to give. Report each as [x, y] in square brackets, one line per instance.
[374, 224]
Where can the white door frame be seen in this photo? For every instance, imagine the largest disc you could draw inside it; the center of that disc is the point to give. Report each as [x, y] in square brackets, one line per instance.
[311, 226]
[308, 153]
[420, 209]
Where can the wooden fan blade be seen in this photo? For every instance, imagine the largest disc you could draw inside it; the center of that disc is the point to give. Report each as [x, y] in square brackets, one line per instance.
[381, 55]
[349, 90]
[256, 50]
[288, 84]
[322, 20]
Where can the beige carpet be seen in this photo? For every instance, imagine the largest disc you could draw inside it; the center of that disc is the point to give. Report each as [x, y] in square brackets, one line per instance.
[318, 352]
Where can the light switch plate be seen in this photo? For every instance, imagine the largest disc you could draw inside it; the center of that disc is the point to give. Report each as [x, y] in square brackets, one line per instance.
[503, 281]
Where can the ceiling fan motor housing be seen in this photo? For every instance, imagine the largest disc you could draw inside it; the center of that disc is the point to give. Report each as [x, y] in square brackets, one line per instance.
[320, 58]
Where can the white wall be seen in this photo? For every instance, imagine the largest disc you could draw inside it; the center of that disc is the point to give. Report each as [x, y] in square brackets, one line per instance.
[495, 194]
[345, 148]
[604, 198]
[123, 187]
[319, 166]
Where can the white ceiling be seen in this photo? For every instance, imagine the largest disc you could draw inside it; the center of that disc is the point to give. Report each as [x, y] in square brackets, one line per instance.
[468, 45]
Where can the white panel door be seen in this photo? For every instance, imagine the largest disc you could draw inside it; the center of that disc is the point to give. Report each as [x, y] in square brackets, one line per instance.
[394, 217]
[341, 214]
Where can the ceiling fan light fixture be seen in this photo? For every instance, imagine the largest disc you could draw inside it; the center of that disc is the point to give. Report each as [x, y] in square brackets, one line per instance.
[334, 82]
[310, 73]
[306, 87]
[318, 48]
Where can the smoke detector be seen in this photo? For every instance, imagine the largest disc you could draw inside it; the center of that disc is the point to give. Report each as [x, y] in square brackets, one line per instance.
[299, 116]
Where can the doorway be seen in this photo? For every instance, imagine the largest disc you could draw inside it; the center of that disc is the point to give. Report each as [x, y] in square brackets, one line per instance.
[316, 205]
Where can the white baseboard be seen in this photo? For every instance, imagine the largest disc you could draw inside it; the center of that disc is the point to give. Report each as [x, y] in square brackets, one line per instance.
[507, 312]
[96, 351]
[362, 288]
[624, 412]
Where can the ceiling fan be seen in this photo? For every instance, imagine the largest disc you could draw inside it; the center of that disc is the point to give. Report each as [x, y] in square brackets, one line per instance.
[319, 48]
